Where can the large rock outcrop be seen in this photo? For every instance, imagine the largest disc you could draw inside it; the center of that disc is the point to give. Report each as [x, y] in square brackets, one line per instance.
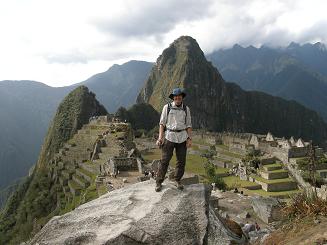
[217, 105]
[139, 215]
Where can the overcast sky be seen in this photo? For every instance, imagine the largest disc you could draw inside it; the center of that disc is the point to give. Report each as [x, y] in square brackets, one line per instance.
[66, 41]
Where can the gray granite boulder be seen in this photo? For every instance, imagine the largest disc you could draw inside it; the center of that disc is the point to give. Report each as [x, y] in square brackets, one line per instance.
[137, 214]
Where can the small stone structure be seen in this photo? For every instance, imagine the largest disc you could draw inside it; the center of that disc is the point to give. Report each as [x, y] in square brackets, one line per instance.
[123, 164]
[267, 209]
[322, 192]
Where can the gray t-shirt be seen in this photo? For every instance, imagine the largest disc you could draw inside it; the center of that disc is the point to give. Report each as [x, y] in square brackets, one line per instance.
[176, 121]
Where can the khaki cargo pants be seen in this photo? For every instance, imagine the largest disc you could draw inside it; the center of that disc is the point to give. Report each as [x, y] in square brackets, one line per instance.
[167, 153]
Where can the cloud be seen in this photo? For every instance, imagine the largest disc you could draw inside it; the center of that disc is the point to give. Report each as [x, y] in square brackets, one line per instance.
[67, 58]
[152, 18]
[61, 42]
[315, 33]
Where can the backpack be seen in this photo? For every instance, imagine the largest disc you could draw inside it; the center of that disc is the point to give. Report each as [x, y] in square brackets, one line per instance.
[170, 107]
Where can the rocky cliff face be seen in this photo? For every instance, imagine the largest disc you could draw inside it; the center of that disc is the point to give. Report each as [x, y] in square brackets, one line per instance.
[139, 215]
[217, 105]
[35, 201]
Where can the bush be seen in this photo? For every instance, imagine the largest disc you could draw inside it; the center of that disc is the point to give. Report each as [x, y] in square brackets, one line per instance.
[210, 170]
[138, 133]
[219, 182]
[209, 154]
[305, 204]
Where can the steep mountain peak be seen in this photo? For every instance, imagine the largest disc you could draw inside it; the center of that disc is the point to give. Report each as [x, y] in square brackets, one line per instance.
[293, 45]
[182, 64]
[320, 46]
[181, 50]
[186, 44]
[74, 111]
[237, 46]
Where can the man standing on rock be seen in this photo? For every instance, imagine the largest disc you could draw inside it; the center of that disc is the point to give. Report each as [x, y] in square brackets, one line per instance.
[175, 123]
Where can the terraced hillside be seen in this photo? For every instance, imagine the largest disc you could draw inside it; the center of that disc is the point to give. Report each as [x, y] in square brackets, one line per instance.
[73, 170]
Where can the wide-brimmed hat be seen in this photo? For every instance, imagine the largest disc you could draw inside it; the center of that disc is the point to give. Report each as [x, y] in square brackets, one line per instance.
[177, 91]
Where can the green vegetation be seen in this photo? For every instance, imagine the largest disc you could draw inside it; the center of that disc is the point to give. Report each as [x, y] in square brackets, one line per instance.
[273, 165]
[303, 164]
[272, 180]
[194, 162]
[91, 175]
[74, 111]
[35, 201]
[153, 154]
[233, 182]
[213, 177]
[278, 171]
[223, 147]
[261, 192]
[141, 116]
[102, 190]
[200, 141]
[90, 193]
[232, 154]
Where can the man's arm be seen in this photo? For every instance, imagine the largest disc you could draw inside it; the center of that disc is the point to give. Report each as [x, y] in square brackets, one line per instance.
[162, 123]
[161, 132]
[189, 132]
[189, 127]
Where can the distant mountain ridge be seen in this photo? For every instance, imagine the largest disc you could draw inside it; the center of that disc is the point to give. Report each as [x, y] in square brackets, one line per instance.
[28, 106]
[26, 109]
[296, 72]
[217, 105]
[125, 82]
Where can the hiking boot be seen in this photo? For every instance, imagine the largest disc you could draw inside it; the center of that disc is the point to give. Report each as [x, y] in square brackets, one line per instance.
[158, 187]
[179, 185]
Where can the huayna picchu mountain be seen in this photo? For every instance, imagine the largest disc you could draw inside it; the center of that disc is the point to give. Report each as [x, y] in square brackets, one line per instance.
[51, 189]
[220, 106]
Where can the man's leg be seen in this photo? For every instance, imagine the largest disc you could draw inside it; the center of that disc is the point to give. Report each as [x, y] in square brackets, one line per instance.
[181, 159]
[167, 153]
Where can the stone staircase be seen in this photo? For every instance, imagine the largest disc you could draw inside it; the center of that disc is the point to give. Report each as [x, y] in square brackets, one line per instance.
[274, 178]
[72, 167]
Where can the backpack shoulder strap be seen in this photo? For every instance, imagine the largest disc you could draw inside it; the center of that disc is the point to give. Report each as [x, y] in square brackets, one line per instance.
[168, 109]
[185, 109]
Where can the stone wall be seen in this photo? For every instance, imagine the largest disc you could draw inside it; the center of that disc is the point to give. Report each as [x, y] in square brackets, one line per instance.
[298, 151]
[123, 164]
[296, 173]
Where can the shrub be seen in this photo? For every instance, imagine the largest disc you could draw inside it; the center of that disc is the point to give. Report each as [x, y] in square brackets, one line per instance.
[305, 204]
[219, 182]
[210, 170]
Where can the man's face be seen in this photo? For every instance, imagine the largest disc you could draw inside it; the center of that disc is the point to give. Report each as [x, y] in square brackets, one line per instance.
[178, 99]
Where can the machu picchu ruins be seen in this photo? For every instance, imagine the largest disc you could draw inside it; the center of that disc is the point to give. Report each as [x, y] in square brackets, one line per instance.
[93, 156]
[275, 170]
[171, 153]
